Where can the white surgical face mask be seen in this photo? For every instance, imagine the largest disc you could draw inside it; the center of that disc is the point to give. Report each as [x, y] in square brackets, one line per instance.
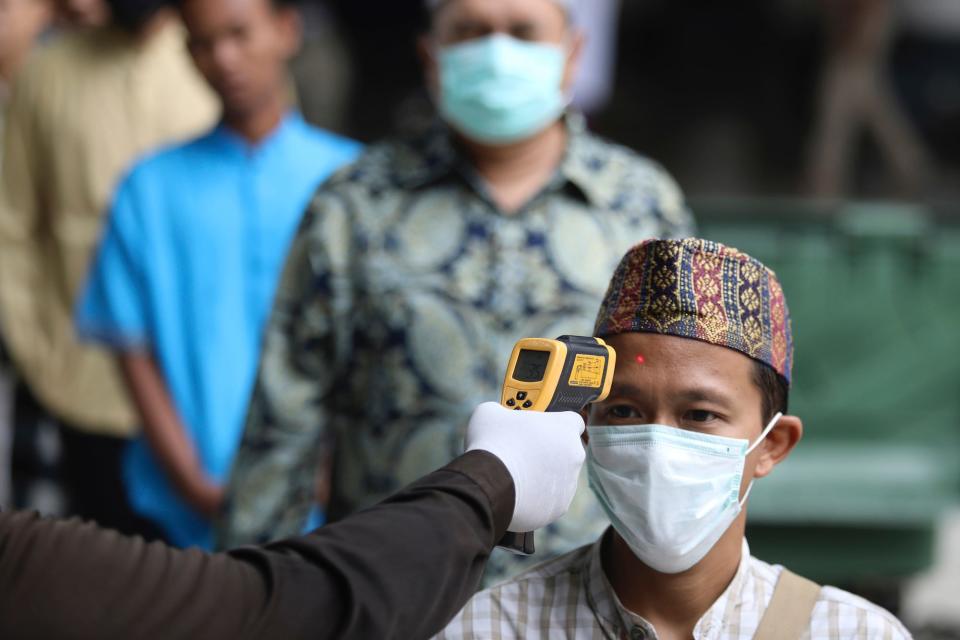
[670, 493]
[498, 89]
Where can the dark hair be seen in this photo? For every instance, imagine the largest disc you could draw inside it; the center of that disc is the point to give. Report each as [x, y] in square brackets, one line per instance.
[131, 15]
[773, 389]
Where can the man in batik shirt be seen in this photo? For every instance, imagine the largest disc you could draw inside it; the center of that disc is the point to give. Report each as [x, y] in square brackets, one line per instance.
[695, 416]
[416, 270]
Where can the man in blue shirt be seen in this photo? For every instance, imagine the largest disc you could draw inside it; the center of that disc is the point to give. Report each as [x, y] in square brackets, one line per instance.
[185, 275]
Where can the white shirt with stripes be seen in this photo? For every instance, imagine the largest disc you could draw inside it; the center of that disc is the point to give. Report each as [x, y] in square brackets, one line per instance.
[570, 597]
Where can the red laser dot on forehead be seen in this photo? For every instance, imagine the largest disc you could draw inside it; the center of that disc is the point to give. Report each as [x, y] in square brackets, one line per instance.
[640, 358]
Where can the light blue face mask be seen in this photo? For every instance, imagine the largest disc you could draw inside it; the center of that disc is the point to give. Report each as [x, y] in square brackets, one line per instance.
[670, 493]
[498, 89]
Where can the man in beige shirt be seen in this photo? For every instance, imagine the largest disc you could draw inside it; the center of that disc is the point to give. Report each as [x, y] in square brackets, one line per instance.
[82, 110]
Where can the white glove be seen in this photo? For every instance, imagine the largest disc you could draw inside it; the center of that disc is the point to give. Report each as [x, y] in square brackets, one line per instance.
[542, 452]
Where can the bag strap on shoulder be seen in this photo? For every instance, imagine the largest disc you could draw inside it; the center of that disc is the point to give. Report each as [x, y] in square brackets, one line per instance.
[788, 614]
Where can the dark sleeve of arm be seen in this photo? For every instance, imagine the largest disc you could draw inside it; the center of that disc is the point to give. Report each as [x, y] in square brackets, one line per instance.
[401, 569]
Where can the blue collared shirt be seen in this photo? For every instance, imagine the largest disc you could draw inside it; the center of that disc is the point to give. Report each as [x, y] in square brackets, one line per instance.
[187, 268]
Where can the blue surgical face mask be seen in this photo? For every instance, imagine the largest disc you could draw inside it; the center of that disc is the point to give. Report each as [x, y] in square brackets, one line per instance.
[499, 90]
[670, 493]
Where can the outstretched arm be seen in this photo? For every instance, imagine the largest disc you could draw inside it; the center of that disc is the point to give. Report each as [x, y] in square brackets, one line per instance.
[401, 569]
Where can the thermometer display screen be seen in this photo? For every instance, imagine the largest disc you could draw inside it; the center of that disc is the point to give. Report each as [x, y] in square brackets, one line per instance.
[531, 365]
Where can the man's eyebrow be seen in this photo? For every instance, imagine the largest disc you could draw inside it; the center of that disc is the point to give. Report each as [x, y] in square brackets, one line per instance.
[471, 25]
[705, 394]
[524, 24]
[691, 394]
[626, 389]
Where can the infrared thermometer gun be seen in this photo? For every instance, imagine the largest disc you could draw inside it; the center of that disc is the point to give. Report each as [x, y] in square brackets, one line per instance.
[565, 374]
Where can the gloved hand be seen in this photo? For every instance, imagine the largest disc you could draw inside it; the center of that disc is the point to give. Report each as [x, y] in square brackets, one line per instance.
[542, 452]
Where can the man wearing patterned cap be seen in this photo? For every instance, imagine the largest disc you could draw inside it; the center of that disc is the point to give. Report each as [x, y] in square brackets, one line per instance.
[696, 415]
[416, 269]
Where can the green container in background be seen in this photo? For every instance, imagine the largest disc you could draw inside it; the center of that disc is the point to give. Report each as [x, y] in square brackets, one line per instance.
[874, 293]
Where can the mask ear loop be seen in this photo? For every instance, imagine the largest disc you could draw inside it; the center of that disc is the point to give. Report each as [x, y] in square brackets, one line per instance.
[763, 434]
[567, 46]
[766, 430]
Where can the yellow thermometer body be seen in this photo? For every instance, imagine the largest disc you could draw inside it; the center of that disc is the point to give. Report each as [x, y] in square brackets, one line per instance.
[565, 374]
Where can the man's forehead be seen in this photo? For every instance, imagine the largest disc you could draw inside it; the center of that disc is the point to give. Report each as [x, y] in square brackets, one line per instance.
[716, 391]
[674, 361]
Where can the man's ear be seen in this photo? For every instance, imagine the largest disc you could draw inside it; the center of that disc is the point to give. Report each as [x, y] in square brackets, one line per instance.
[291, 26]
[778, 444]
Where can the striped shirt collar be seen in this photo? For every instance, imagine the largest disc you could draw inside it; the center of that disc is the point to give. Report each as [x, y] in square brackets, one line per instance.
[570, 597]
[619, 622]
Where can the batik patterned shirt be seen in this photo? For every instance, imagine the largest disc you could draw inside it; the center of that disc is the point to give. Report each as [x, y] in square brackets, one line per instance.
[403, 295]
[570, 597]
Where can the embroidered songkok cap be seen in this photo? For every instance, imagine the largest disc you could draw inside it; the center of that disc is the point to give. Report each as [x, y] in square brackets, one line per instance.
[703, 290]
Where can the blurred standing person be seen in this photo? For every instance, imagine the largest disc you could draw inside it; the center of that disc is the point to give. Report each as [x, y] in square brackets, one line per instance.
[81, 110]
[416, 270]
[186, 273]
[856, 98]
[21, 23]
